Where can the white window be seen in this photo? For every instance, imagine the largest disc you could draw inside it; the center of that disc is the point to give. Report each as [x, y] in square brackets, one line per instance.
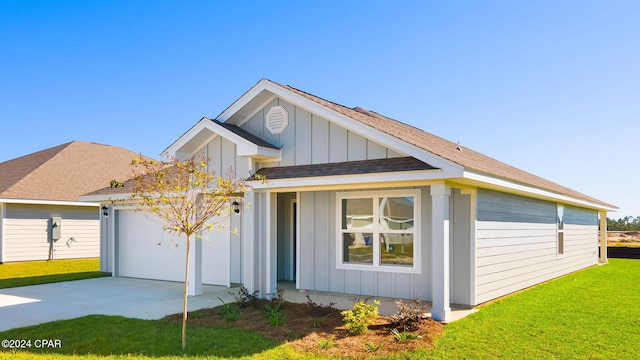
[379, 231]
[560, 227]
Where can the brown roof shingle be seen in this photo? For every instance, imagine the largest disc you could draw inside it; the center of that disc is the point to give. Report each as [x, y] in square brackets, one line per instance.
[64, 172]
[470, 159]
[345, 168]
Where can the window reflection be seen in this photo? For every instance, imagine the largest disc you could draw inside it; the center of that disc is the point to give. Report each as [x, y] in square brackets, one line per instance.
[396, 213]
[357, 248]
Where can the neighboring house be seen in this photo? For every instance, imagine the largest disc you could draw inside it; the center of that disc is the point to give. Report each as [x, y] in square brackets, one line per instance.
[41, 216]
[363, 204]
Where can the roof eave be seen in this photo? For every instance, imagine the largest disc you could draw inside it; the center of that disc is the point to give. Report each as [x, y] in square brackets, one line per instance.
[483, 180]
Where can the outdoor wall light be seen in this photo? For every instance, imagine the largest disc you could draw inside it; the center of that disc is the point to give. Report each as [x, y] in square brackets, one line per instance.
[105, 211]
[236, 207]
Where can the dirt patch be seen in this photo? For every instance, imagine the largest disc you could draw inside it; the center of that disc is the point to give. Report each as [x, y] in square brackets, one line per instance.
[623, 238]
[320, 330]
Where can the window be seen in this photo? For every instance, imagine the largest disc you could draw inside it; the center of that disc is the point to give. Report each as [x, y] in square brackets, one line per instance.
[379, 231]
[560, 227]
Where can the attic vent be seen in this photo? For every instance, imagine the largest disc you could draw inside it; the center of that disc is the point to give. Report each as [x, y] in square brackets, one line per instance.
[277, 120]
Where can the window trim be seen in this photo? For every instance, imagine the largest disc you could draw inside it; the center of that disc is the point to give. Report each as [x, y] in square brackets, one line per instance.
[375, 197]
[561, 243]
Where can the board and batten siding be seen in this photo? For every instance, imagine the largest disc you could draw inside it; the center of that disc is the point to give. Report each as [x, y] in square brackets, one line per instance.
[311, 139]
[317, 246]
[516, 245]
[26, 232]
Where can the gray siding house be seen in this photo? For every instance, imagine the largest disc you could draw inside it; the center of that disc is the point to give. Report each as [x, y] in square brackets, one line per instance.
[362, 204]
[41, 216]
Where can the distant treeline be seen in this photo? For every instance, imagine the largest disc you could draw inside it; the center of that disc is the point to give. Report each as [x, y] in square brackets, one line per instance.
[627, 223]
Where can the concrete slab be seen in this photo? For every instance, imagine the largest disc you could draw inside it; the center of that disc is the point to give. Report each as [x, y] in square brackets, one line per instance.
[137, 298]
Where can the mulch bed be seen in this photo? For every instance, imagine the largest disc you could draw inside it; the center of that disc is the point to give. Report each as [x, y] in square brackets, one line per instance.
[307, 329]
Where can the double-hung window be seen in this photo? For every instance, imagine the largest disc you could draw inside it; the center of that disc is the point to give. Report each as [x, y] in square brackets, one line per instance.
[379, 231]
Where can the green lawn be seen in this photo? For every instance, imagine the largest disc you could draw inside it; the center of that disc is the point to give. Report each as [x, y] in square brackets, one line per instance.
[42, 272]
[592, 314]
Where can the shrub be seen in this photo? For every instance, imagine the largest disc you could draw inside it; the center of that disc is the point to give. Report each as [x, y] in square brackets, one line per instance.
[371, 347]
[318, 310]
[404, 335]
[358, 319]
[244, 297]
[326, 343]
[274, 315]
[409, 314]
[229, 311]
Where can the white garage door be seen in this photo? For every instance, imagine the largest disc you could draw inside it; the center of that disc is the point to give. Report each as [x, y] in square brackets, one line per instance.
[146, 251]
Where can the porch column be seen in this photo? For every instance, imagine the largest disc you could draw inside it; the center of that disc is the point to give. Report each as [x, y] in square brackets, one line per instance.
[271, 250]
[194, 287]
[440, 309]
[249, 280]
[603, 237]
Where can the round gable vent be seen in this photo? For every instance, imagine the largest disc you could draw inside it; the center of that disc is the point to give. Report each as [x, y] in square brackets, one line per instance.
[277, 120]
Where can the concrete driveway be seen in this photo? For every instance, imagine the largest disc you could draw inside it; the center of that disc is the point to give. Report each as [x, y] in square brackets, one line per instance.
[136, 298]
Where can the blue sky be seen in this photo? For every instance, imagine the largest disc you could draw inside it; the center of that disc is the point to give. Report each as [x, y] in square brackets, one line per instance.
[551, 87]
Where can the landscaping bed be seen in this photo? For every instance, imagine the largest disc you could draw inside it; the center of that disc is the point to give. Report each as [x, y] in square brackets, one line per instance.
[320, 329]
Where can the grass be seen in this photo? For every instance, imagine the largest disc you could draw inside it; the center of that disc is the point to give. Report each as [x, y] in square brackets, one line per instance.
[43, 272]
[590, 314]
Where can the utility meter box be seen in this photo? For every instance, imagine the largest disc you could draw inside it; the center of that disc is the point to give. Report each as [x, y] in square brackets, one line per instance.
[55, 228]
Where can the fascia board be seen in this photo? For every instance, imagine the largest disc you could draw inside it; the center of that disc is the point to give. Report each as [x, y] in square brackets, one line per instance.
[105, 197]
[47, 202]
[243, 100]
[490, 182]
[341, 180]
[244, 147]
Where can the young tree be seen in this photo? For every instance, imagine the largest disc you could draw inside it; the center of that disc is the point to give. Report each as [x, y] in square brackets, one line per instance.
[187, 198]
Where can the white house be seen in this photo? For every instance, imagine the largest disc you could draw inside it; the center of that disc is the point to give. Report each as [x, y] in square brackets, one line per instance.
[41, 216]
[363, 204]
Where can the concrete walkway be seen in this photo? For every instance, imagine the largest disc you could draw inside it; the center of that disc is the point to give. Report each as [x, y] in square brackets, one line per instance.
[135, 298]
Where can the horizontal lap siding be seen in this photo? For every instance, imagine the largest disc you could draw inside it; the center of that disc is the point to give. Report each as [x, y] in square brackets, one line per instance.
[318, 255]
[28, 239]
[516, 243]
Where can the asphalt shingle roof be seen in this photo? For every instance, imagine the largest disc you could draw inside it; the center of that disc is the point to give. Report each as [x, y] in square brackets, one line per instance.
[470, 159]
[64, 172]
[345, 168]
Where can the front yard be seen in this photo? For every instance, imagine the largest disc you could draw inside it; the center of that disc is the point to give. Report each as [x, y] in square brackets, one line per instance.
[43, 272]
[589, 314]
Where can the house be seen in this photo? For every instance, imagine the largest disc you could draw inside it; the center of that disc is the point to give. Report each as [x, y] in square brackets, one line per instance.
[363, 204]
[41, 216]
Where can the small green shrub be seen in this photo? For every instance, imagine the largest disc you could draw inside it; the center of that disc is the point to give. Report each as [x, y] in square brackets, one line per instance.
[371, 347]
[403, 335]
[230, 311]
[326, 343]
[358, 319]
[316, 321]
[274, 315]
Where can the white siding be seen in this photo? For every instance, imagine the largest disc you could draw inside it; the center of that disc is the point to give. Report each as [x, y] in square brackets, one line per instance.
[318, 254]
[518, 248]
[26, 232]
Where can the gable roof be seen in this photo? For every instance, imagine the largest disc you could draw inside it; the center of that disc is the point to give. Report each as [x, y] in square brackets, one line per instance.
[64, 172]
[468, 158]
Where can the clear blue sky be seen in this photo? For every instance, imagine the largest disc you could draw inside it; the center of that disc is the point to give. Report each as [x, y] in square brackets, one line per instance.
[551, 87]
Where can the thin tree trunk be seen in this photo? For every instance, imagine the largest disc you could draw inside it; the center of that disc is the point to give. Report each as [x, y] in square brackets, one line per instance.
[184, 302]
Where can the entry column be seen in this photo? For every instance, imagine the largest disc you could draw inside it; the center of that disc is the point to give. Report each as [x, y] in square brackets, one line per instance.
[440, 309]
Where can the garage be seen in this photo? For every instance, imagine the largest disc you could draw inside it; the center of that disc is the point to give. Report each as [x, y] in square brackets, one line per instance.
[146, 251]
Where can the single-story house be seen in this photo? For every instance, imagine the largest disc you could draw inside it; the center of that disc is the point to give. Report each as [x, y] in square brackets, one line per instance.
[41, 216]
[359, 203]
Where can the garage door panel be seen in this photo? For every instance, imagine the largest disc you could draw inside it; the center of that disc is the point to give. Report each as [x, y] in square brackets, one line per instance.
[145, 250]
